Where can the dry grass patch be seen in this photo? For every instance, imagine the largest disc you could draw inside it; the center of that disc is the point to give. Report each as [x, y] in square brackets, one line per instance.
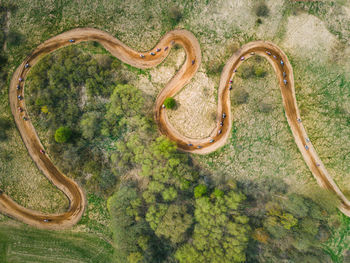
[196, 112]
[22, 181]
[308, 37]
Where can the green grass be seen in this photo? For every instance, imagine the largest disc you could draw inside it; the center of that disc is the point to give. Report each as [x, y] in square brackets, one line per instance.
[96, 216]
[257, 138]
[340, 241]
[22, 244]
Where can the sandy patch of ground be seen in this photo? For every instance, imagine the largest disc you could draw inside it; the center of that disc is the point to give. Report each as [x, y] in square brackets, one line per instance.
[307, 36]
[162, 74]
[196, 111]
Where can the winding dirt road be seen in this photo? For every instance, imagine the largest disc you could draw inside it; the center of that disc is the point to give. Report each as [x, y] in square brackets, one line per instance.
[217, 138]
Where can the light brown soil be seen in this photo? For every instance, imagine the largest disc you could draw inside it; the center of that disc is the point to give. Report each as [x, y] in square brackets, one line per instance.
[182, 77]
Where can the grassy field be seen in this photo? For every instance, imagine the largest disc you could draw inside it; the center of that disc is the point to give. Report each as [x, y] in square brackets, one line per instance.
[338, 247]
[314, 36]
[22, 244]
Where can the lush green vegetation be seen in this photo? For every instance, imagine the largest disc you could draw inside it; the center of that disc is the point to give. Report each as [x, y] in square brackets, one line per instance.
[221, 232]
[65, 97]
[63, 134]
[24, 244]
[157, 209]
[157, 203]
[169, 103]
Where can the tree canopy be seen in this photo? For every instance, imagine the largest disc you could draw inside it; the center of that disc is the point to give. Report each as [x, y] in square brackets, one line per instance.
[169, 103]
[63, 134]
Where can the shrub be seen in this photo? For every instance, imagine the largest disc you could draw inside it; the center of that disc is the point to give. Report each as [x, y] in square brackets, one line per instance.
[246, 71]
[175, 15]
[14, 38]
[4, 126]
[262, 9]
[215, 67]
[265, 108]
[169, 103]
[63, 134]
[259, 72]
[240, 96]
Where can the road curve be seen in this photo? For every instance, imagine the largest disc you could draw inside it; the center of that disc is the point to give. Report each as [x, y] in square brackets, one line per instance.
[216, 139]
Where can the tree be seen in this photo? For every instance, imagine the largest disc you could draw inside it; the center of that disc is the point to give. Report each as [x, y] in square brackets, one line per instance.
[63, 134]
[126, 102]
[169, 194]
[174, 223]
[131, 233]
[200, 190]
[169, 103]
[89, 125]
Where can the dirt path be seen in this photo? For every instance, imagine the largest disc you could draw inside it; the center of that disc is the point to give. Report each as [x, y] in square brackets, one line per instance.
[202, 146]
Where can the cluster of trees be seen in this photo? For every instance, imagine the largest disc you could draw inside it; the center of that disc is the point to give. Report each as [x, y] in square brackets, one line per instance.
[221, 231]
[66, 95]
[161, 206]
[286, 226]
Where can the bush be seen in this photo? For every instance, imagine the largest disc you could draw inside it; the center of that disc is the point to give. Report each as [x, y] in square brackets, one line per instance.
[240, 96]
[14, 38]
[265, 108]
[169, 103]
[262, 9]
[4, 126]
[175, 15]
[216, 66]
[259, 72]
[246, 71]
[63, 134]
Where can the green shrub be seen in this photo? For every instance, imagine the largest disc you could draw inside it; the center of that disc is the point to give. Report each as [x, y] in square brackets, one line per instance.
[63, 134]
[259, 72]
[14, 38]
[216, 66]
[175, 15]
[5, 124]
[240, 96]
[246, 71]
[169, 103]
[262, 9]
[265, 108]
